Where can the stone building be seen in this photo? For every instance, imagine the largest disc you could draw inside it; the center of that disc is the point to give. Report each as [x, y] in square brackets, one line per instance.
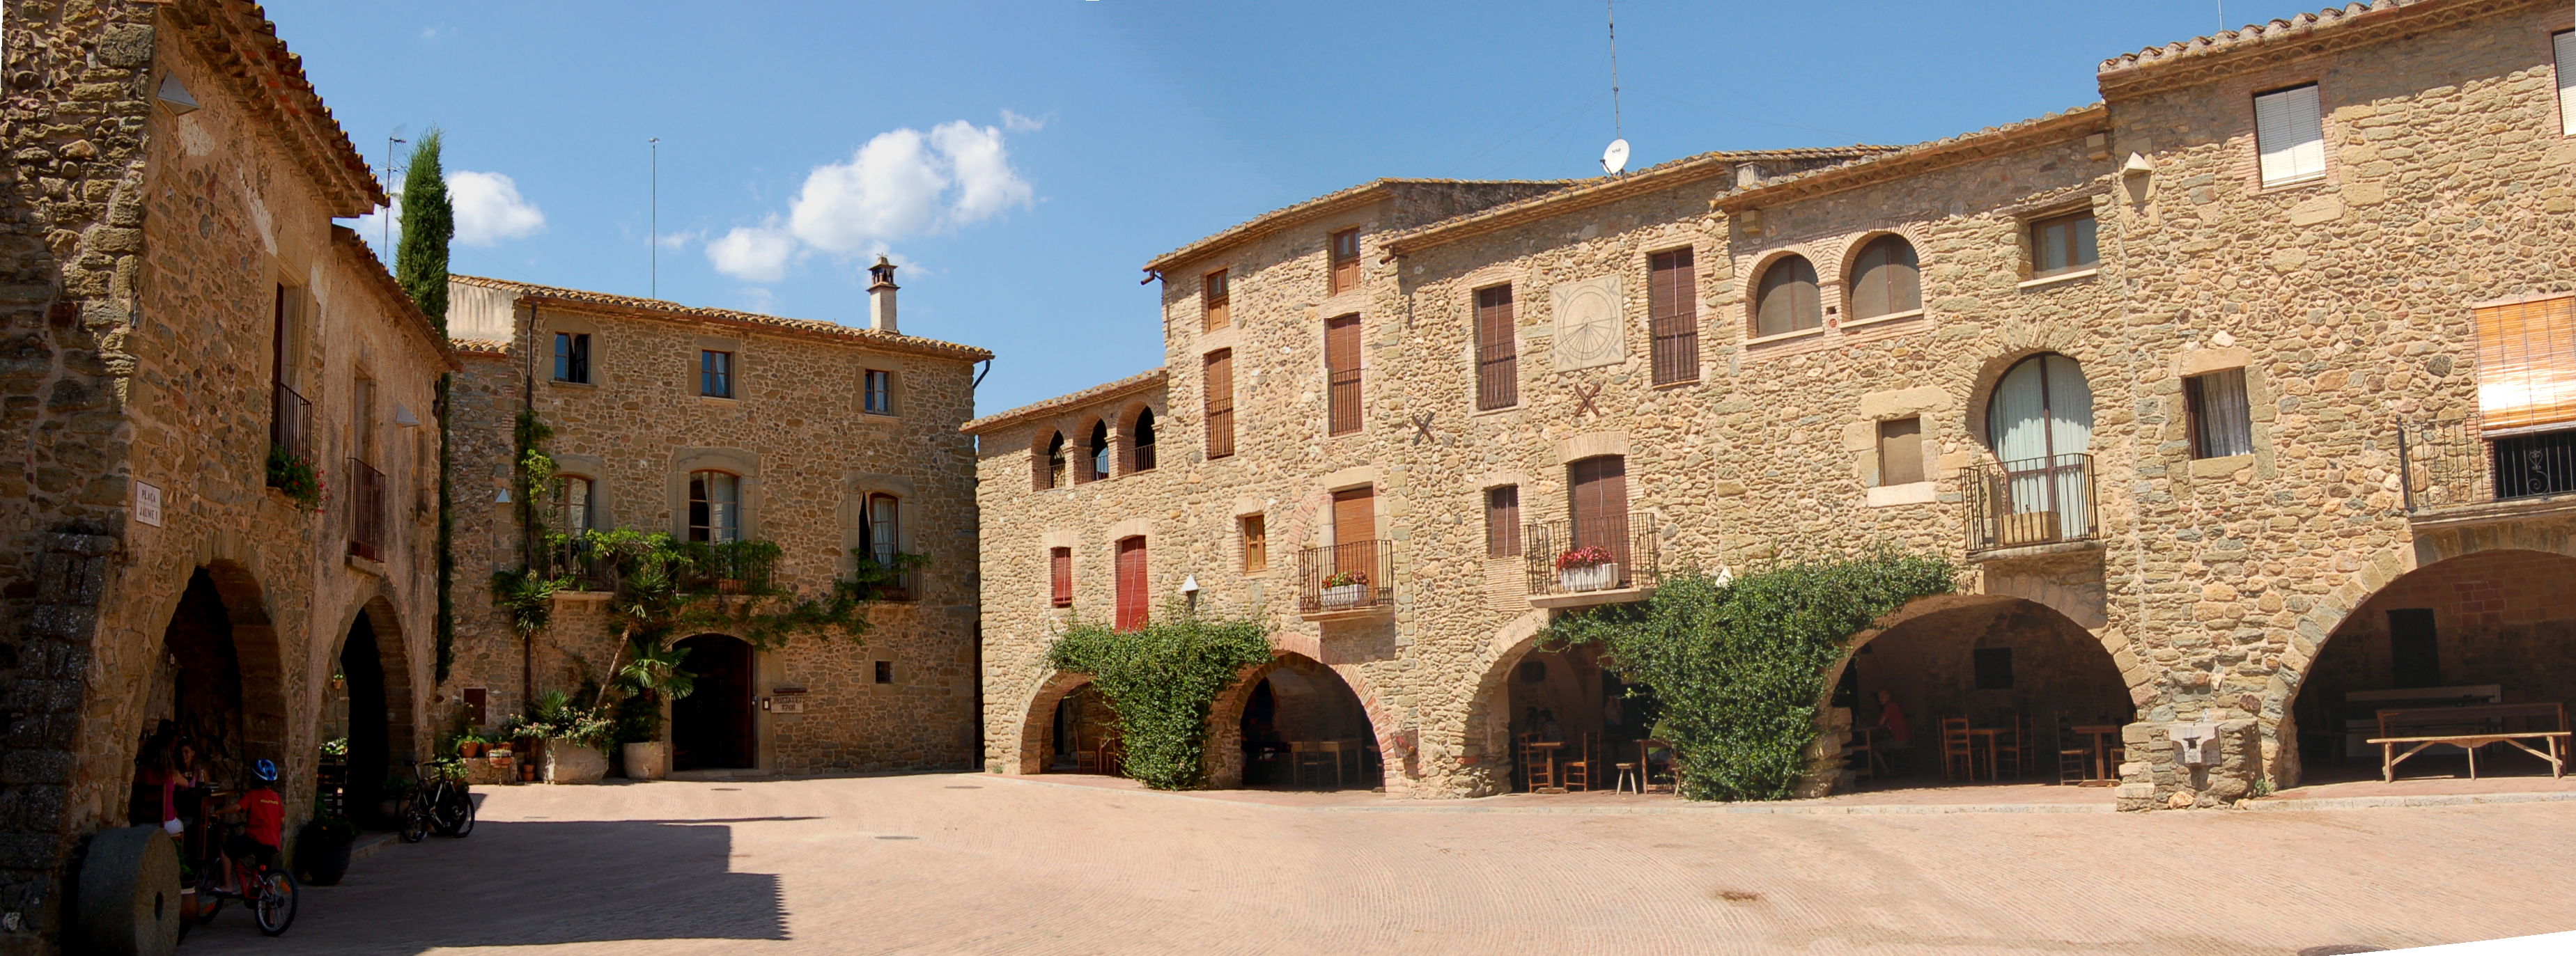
[712, 425]
[2141, 367]
[187, 331]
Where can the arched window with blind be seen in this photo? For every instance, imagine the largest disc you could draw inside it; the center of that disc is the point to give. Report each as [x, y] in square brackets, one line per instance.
[1096, 465]
[1787, 301]
[715, 506]
[2040, 423]
[1885, 279]
[1046, 461]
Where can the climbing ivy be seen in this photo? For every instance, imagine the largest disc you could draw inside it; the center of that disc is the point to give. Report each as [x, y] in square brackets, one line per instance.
[1162, 679]
[1739, 666]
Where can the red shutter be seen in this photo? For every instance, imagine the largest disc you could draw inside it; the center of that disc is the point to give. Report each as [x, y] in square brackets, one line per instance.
[1219, 376]
[1497, 350]
[1342, 373]
[1131, 583]
[1672, 293]
[1060, 576]
[1601, 505]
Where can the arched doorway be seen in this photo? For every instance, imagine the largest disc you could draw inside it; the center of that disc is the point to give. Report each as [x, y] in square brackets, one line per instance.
[2474, 632]
[1083, 736]
[2039, 423]
[1301, 726]
[1569, 707]
[369, 758]
[2040, 697]
[712, 728]
[195, 700]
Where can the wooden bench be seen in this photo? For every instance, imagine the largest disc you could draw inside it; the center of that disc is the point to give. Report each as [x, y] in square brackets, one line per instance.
[2470, 728]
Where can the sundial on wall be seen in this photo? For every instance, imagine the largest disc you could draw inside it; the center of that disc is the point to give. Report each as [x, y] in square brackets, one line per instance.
[1588, 330]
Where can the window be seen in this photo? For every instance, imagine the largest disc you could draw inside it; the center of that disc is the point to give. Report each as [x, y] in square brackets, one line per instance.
[1788, 301]
[1131, 583]
[1098, 466]
[1047, 461]
[1215, 302]
[2414, 648]
[2527, 363]
[2220, 424]
[1885, 280]
[1497, 350]
[1503, 522]
[2062, 244]
[715, 373]
[1218, 369]
[885, 672]
[1256, 543]
[1142, 456]
[1060, 577]
[362, 421]
[2566, 43]
[1900, 451]
[1672, 309]
[715, 506]
[2290, 132]
[1533, 672]
[572, 503]
[881, 528]
[1346, 260]
[1993, 667]
[879, 386]
[1342, 373]
[572, 357]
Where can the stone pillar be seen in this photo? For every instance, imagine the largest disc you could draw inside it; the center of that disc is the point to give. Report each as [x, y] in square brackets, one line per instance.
[2155, 777]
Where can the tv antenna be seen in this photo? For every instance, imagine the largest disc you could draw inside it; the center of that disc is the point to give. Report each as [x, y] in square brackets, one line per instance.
[1614, 160]
[392, 195]
[653, 241]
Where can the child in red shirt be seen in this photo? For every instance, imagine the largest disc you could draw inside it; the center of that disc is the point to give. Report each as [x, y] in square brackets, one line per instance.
[263, 819]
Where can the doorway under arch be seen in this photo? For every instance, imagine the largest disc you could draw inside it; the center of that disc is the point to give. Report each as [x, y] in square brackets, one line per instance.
[370, 755]
[1301, 726]
[215, 684]
[2032, 686]
[713, 728]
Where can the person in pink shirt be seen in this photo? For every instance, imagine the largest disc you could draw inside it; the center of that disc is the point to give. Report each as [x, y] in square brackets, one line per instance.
[1900, 732]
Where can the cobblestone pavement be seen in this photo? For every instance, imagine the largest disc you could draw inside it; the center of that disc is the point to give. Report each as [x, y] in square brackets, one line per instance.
[981, 864]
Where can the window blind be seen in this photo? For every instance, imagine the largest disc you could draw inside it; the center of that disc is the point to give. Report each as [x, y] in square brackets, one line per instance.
[2566, 41]
[2291, 134]
[1497, 350]
[2527, 363]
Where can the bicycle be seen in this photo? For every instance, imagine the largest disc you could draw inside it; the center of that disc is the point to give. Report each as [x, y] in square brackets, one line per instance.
[270, 891]
[439, 804]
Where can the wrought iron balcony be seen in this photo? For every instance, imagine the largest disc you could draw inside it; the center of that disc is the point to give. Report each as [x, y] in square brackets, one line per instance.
[2452, 464]
[1590, 562]
[1353, 578]
[2035, 501]
[888, 577]
[290, 422]
[366, 511]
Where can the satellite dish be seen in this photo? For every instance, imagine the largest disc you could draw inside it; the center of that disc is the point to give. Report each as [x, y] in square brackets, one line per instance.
[1615, 158]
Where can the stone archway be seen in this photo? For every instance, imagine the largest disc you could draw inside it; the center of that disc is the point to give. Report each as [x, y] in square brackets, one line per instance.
[1484, 755]
[219, 676]
[374, 664]
[1037, 723]
[1332, 686]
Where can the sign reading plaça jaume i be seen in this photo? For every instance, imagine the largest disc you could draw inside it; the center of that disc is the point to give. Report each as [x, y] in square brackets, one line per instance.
[1587, 324]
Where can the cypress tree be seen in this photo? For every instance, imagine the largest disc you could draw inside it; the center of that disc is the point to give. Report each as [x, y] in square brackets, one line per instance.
[428, 222]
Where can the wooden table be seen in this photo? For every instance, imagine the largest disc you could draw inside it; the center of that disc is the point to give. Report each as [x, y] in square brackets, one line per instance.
[1548, 748]
[1334, 747]
[2101, 750]
[2475, 726]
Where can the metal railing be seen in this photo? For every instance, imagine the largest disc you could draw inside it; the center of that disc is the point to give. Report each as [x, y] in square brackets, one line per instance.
[290, 422]
[1561, 561]
[2448, 464]
[2033, 501]
[366, 511]
[578, 559]
[728, 567]
[1353, 576]
[891, 579]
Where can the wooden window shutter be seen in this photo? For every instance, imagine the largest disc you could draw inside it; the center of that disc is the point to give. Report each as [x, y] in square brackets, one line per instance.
[1256, 543]
[1900, 451]
[1060, 576]
[1503, 522]
[1219, 378]
[1672, 307]
[1601, 503]
[1216, 301]
[2527, 363]
[1131, 583]
[1885, 280]
[1346, 260]
[1354, 516]
[1342, 373]
[1788, 298]
[1497, 350]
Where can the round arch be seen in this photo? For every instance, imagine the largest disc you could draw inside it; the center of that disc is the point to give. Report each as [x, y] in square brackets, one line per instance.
[1761, 270]
[1037, 724]
[1224, 753]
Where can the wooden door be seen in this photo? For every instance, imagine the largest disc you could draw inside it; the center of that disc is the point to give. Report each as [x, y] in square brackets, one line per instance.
[1132, 607]
[1355, 534]
[712, 727]
[1342, 373]
[1600, 506]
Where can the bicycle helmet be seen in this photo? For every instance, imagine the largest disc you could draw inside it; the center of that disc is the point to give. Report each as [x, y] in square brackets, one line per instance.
[265, 770]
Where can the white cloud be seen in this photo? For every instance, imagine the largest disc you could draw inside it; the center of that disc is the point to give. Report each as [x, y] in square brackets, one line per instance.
[1021, 124]
[900, 183]
[489, 209]
[681, 239]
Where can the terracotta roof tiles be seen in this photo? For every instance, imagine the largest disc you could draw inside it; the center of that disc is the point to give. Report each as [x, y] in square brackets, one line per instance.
[673, 310]
[1138, 382]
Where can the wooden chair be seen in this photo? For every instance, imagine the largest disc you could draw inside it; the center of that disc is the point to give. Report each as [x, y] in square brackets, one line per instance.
[1534, 768]
[1086, 761]
[2020, 751]
[1958, 753]
[2074, 764]
[1576, 774]
[1646, 767]
[1307, 753]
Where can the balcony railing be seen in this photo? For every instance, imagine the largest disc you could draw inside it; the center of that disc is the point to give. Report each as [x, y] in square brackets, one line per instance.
[2034, 501]
[1563, 561]
[890, 578]
[2449, 464]
[290, 422]
[577, 558]
[729, 567]
[366, 511]
[1353, 576]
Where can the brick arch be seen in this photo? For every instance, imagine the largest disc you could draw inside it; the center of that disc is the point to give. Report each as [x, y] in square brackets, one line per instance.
[1122, 434]
[1037, 723]
[261, 655]
[393, 648]
[1850, 253]
[1484, 749]
[2364, 579]
[2016, 342]
[1040, 476]
[1224, 753]
[1077, 451]
[1761, 266]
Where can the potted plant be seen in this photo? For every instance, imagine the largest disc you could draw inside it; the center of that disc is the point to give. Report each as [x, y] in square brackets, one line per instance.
[651, 674]
[322, 848]
[575, 739]
[1587, 568]
[470, 746]
[1346, 589]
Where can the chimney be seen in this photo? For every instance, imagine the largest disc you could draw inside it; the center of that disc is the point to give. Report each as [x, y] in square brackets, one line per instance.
[881, 297]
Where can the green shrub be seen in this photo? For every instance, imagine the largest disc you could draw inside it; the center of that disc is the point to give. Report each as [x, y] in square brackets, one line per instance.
[295, 477]
[1739, 667]
[1162, 679]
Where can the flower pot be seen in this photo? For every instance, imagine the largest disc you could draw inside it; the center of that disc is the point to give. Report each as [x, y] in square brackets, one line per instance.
[644, 761]
[568, 762]
[1348, 595]
[1594, 578]
[322, 855]
[469, 750]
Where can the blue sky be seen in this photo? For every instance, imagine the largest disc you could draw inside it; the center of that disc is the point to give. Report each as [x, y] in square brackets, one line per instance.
[1024, 159]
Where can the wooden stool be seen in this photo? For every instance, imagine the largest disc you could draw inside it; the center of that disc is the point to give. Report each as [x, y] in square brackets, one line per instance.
[1629, 781]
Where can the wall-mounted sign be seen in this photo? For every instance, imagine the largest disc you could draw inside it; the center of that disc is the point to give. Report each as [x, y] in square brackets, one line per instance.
[147, 503]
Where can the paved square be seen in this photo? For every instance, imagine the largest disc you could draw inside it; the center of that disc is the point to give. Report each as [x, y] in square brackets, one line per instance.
[983, 864]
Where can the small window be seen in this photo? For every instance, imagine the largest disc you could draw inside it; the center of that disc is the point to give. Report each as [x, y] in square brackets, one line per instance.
[2566, 44]
[1994, 668]
[1256, 543]
[881, 528]
[1346, 260]
[1533, 672]
[1497, 350]
[1342, 374]
[1098, 460]
[1142, 457]
[1787, 302]
[1218, 369]
[573, 503]
[715, 373]
[1215, 302]
[715, 506]
[1060, 577]
[1672, 306]
[885, 672]
[2062, 244]
[1047, 462]
[1900, 451]
[2220, 424]
[2290, 132]
[1885, 279]
[1503, 522]
[572, 357]
[2414, 648]
[880, 391]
